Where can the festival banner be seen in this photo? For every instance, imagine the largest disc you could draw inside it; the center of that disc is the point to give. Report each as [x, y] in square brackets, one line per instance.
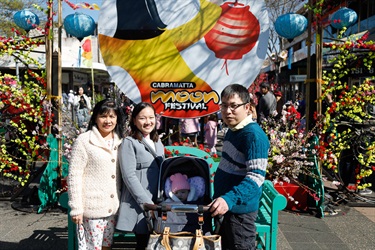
[180, 54]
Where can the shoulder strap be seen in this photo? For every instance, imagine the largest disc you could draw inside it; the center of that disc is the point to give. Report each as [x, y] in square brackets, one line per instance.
[152, 151]
[158, 159]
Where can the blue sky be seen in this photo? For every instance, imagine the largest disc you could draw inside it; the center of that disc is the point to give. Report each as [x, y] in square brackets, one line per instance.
[93, 13]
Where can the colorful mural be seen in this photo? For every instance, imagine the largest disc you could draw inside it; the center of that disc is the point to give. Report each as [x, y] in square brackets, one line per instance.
[180, 54]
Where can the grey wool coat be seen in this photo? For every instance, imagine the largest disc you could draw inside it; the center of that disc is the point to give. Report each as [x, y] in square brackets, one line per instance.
[140, 175]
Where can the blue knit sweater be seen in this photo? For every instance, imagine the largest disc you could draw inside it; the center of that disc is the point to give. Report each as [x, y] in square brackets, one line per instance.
[242, 168]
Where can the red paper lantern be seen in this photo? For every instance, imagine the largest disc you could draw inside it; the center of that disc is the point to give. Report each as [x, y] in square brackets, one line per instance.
[235, 33]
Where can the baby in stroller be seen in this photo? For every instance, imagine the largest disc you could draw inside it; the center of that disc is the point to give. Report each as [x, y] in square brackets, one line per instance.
[180, 188]
[185, 186]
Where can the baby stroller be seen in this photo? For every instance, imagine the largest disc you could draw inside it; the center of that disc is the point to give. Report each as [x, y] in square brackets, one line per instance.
[190, 215]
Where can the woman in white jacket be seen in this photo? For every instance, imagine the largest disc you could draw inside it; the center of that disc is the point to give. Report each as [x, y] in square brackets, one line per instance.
[94, 179]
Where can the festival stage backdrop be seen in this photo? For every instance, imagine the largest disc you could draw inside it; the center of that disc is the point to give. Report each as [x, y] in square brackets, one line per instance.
[180, 54]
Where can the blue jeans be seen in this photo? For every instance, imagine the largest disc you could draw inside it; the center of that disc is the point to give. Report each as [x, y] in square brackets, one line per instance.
[82, 116]
[238, 231]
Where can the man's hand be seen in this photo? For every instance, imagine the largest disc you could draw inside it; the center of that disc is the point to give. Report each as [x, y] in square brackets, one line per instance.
[218, 207]
[78, 219]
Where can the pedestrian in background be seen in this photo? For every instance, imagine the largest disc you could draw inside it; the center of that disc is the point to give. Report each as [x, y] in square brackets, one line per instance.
[301, 108]
[70, 100]
[65, 100]
[279, 103]
[210, 132]
[253, 108]
[94, 178]
[83, 107]
[189, 130]
[240, 175]
[267, 103]
[160, 127]
[172, 130]
[140, 156]
[257, 97]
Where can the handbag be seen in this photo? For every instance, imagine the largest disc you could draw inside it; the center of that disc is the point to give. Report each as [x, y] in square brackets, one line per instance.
[183, 240]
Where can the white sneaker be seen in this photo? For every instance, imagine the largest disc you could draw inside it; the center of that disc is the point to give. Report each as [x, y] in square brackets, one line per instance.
[365, 191]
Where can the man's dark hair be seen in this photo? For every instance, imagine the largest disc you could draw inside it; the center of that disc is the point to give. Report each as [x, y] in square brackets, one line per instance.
[265, 85]
[238, 89]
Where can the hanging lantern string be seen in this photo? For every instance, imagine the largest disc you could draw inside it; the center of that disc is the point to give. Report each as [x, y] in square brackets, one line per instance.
[79, 56]
[84, 5]
[225, 64]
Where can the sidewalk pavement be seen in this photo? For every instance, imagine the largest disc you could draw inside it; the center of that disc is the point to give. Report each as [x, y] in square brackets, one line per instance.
[20, 230]
[350, 229]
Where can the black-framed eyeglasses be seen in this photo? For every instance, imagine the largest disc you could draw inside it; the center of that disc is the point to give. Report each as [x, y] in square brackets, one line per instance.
[232, 106]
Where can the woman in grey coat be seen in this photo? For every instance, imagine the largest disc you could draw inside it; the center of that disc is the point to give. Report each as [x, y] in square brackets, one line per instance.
[139, 157]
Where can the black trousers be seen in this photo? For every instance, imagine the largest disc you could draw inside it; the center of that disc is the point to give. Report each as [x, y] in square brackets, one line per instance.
[142, 240]
[238, 231]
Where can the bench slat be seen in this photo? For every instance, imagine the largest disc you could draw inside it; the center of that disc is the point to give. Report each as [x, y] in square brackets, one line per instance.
[270, 204]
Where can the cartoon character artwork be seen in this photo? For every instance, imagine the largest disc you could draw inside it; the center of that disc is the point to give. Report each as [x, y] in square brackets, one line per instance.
[180, 54]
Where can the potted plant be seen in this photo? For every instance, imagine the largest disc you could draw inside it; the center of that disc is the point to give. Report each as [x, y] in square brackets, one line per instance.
[290, 163]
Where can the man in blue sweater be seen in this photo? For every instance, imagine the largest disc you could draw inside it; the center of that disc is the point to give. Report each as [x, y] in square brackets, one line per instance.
[241, 172]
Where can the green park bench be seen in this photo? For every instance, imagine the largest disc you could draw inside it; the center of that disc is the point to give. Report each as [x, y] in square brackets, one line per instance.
[271, 203]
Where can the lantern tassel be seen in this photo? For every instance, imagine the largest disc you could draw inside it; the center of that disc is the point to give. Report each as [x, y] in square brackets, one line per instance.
[290, 58]
[79, 57]
[225, 64]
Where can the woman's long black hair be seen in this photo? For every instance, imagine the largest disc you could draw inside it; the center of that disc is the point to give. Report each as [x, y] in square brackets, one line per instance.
[135, 132]
[104, 107]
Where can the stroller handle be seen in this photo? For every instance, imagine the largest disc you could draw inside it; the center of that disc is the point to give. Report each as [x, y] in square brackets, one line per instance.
[184, 208]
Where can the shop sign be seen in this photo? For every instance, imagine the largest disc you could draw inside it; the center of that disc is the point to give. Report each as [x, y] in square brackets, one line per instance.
[297, 78]
[358, 71]
[79, 77]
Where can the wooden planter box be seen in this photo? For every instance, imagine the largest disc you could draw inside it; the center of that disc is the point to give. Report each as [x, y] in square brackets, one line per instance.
[299, 194]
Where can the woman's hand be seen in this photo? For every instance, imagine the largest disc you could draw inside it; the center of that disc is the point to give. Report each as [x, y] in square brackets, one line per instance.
[78, 219]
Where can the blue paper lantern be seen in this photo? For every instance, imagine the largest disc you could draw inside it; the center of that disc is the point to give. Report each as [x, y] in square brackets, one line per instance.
[290, 25]
[79, 25]
[26, 19]
[344, 17]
